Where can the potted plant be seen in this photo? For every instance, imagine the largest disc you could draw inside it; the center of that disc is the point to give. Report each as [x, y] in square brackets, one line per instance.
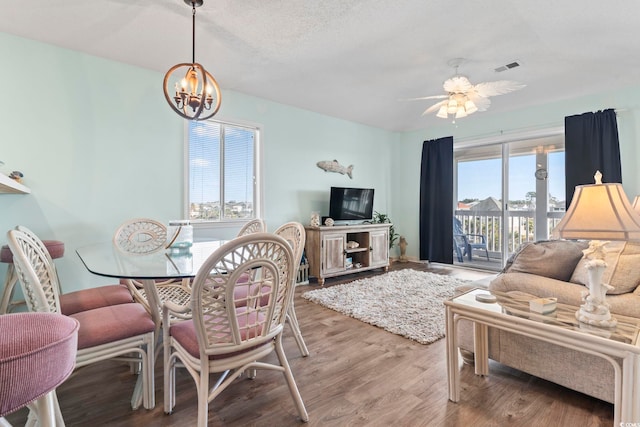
[380, 218]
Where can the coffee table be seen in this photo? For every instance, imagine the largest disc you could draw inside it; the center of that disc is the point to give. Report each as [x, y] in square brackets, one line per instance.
[619, 346]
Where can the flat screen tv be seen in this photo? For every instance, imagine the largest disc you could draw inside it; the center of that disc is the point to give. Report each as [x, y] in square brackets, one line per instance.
[351, 204]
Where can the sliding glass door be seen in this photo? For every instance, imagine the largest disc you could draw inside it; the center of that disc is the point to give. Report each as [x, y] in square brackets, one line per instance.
[508, 193]
[478, 214]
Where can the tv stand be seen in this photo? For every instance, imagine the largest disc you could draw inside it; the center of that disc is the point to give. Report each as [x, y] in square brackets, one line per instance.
[331, 251]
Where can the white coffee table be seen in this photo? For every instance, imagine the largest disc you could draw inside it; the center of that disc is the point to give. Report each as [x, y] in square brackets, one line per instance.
[619, 345]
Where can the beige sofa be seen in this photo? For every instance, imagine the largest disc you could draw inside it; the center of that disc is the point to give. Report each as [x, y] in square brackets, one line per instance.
[555, 269]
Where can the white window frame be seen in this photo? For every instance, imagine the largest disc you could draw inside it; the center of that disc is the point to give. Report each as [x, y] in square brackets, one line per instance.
[258, 201]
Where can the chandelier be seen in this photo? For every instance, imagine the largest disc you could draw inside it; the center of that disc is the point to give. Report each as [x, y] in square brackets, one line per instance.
[197, 95]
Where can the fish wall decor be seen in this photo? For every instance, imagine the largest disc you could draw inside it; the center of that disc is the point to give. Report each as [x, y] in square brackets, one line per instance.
[334, 166]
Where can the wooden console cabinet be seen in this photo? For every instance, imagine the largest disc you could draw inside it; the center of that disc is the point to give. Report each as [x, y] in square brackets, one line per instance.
[330, 254]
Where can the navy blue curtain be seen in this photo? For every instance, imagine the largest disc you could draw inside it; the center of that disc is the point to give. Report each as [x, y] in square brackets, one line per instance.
[591, 144]
[436, 201]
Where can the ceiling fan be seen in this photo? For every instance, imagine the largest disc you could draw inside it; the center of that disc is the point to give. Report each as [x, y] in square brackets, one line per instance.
[463, 97]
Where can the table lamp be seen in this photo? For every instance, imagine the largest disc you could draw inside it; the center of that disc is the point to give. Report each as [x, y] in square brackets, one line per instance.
[598, 212]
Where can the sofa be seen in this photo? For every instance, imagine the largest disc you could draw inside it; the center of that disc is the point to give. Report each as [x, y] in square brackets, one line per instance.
[555, 268]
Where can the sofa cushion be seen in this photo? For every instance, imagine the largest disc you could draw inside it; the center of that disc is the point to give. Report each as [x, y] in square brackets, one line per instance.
[555, 259]
[622, 270]
[539, 287]
[567, 293]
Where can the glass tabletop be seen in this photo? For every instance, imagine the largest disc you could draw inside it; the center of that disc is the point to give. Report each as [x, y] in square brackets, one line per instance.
[104, 259]
[517, 304]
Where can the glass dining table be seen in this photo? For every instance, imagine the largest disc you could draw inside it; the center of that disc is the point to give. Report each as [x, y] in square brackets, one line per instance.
[105, 259]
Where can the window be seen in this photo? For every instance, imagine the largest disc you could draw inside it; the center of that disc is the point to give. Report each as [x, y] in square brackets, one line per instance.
[222, 170]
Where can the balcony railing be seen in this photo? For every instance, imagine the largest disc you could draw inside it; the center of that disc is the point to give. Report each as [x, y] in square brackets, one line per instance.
[489, 223]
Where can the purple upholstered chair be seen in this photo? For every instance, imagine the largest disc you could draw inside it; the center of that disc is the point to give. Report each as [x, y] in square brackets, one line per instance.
[37, 353]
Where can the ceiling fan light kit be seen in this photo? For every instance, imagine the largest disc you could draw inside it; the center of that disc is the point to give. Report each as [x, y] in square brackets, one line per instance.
[470, 107]
[197, 95]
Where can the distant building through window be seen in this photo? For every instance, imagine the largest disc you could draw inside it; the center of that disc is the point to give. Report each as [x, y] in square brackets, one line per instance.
[222, 171]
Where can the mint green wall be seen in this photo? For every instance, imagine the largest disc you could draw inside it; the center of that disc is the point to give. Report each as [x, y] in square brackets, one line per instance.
[295, 140]
[98, 144]
[407, 156]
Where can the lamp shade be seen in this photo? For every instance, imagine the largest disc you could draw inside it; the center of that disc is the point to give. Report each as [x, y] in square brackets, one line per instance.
[599, 212]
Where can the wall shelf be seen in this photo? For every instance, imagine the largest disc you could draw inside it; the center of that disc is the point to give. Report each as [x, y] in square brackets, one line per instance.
[8, 185]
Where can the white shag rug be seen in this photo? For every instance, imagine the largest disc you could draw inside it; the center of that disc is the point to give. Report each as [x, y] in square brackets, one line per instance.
[405, 302]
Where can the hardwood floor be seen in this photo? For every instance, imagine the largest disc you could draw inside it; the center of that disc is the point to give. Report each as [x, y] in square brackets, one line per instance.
[356, 375]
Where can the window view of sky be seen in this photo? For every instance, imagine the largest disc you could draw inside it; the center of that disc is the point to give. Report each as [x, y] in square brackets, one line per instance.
[480, 179]
[204, 161]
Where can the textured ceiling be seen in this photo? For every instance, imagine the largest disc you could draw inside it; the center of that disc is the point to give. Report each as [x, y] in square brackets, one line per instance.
[358, 59]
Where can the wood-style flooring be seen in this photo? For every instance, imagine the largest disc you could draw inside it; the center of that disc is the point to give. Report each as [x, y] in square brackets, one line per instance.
[356, 375]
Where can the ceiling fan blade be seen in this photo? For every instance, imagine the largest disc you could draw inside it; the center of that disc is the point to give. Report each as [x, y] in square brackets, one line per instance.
[426, 97]
[499, 87]
[481, 102]
[434, 107]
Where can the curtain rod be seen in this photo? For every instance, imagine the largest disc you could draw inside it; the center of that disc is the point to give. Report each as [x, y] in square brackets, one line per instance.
[550, 129]
[532, 132]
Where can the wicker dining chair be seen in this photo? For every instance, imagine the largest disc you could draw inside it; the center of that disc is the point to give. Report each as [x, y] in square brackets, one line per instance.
[84, 299]
[228, 340]
[143, 236]
[122, 331]
[70, 302]
[294, 234]
[254, 226]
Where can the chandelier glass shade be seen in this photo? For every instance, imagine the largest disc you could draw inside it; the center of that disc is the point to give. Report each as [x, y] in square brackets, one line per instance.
[458, 105]
[195, 94]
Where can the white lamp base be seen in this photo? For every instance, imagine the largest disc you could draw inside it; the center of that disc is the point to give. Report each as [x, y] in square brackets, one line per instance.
[595, 310]
[599, 317]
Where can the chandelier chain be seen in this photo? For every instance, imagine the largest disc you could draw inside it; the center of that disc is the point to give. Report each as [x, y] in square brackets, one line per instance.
[193, 33]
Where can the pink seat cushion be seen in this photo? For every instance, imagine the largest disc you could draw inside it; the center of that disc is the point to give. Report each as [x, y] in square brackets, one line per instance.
[6, 255]
[241, 294]
[107, 324]
[243, 290]
[55, 248]
[185, 334]
[37, 353]
[88, 299]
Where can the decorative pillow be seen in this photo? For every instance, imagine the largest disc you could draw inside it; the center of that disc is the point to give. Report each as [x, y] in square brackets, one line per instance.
[622, 272]
[555, 259]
